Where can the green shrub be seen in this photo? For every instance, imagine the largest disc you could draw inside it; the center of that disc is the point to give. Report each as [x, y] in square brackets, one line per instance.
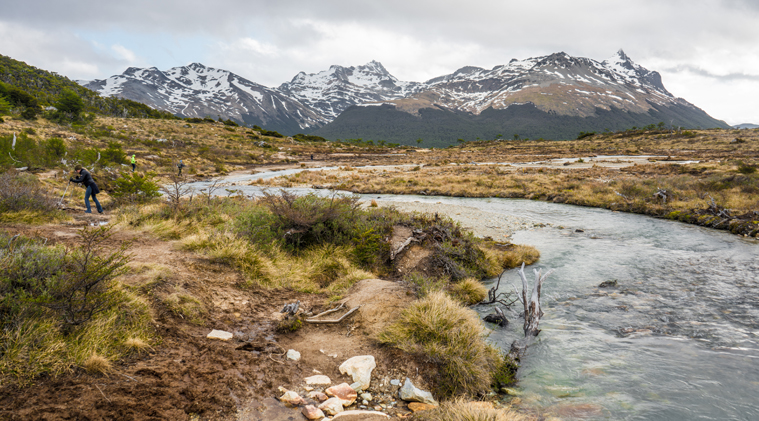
[134, 187]
[55, 147]
[58, 307]
[113, 153]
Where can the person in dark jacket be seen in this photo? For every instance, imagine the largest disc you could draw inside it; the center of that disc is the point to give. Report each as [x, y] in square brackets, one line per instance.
[92, 189]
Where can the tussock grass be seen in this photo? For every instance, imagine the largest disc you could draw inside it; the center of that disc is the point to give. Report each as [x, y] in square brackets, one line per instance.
[97, 364]
[462, 410]
[516, 254]
[137, 345]
[438, 329]
[468, 292]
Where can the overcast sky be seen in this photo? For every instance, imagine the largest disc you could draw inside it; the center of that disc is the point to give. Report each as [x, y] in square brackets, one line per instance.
[707, 51]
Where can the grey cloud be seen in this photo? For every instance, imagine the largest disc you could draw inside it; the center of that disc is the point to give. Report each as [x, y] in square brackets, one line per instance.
[730, 77]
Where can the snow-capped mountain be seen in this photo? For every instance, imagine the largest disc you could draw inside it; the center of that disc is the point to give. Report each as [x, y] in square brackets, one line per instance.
[551, 96]
[199, 91]
[559, 83]
[331, 91]
[555, 97]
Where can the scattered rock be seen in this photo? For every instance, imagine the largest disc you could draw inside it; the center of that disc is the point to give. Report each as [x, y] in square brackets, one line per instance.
[498, 319]
[332, 406]
[366, 396]
[344, 392]
[409, 392]
[318, 396]
[313, 413]
[293, 355]
[318, 380]
[360, 415]
[418, 406]
[395, 382]
[608, 284]
[360, 368]
[292, 398]
[221, 335]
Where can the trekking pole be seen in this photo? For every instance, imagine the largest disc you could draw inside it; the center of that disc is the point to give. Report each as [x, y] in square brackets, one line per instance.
[60, 203]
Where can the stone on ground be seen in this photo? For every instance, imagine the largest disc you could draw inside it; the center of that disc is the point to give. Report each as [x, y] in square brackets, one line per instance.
[361, 415]
[318, 380]
[221, 335]
[360, 368]
[409, 392]
[292, 398]
[313, 413]
[344, 392]
[332, 406]
[293, 355]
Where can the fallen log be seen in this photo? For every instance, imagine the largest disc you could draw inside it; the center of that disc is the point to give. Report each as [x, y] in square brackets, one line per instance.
[351, 311]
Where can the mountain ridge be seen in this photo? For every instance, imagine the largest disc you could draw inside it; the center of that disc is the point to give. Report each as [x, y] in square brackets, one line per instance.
[557, 84]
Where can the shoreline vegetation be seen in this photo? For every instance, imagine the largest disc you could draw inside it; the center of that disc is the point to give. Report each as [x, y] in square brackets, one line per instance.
[201, 262]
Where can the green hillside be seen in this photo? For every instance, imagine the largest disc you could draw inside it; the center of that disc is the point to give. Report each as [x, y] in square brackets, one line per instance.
[45, 87]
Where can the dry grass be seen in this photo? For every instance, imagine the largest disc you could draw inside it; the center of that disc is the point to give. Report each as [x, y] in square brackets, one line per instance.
[461, 410]
[469, 291]
[439, 329]
[137, 345]
[97, 364]
[516, 254]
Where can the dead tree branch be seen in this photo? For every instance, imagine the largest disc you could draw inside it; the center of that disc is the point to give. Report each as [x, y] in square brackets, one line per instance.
[532, 311]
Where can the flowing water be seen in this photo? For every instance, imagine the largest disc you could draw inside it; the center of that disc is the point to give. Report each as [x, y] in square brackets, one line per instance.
[676, 339]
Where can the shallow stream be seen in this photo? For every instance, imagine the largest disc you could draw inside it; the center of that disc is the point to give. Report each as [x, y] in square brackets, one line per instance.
[676, 339]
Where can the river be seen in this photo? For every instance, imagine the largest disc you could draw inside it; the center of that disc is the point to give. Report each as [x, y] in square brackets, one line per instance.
[676, 339]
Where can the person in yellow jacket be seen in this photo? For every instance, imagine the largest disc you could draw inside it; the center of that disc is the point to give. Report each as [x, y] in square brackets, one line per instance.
[134, 162]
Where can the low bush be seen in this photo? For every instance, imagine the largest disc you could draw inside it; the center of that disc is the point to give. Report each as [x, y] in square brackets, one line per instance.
[132, 187]
[23, 197]
[60, 307]
[438, 329]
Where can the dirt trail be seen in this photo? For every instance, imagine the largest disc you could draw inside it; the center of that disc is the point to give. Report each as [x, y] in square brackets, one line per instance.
[187, 376]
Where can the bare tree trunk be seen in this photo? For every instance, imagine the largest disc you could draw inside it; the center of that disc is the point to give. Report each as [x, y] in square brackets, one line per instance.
[532, 311]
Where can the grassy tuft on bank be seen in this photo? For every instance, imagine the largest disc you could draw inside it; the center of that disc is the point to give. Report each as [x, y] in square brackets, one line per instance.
[462, 410]
[439, 329]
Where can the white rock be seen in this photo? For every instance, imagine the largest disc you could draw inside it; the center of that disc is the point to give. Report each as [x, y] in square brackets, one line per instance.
[409, 392]
[360, 368]
[221, 335]
[293, 355]
[361, 415]
[318, 380]
[332, 406]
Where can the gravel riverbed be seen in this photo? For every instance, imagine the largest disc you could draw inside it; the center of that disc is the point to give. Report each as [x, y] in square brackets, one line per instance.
[483, 224]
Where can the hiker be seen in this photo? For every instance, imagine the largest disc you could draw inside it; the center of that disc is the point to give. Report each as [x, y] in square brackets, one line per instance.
[92, 188]
[180, 166]
[134, 162]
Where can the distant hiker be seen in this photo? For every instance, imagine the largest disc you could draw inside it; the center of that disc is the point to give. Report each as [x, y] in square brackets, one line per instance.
[134, 162]
[180, 166]
[92, 188]
[312, 157]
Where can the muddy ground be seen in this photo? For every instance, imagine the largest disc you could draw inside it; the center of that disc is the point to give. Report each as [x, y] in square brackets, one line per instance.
[187, 376]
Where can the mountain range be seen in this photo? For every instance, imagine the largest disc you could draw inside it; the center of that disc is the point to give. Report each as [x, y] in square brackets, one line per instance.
[554, 96]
